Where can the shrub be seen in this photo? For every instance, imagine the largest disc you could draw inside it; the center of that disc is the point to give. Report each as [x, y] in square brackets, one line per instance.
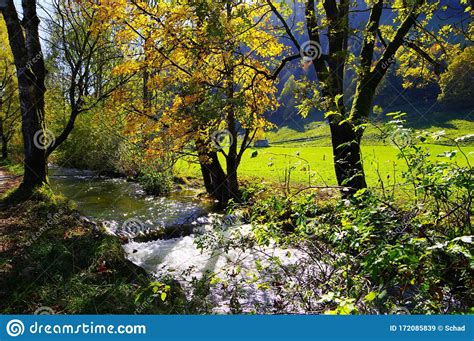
[155, 182]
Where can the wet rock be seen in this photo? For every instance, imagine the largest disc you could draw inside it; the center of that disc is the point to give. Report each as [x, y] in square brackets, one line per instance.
[166, 232]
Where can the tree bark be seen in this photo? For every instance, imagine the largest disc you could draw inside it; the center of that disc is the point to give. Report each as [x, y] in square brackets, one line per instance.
[3, 137]
[214, 178]
[221, 186]
[347, 157]
[29, 63]
[4, 148]
[232, 158]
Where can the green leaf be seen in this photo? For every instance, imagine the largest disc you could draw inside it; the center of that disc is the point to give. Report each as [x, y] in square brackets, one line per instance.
[370, 296]
[163, 296]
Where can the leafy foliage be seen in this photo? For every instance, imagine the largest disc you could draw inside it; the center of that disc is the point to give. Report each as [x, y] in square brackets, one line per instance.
[371, 253]
[157, 183]
[460, 73]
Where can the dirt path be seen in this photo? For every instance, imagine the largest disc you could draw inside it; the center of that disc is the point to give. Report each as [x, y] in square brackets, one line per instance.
[7, 181]
[9, 226]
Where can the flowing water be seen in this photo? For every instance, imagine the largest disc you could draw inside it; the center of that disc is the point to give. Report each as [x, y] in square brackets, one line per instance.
[118, 202]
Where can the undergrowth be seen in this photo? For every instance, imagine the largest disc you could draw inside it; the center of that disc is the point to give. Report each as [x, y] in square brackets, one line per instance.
[382, 251]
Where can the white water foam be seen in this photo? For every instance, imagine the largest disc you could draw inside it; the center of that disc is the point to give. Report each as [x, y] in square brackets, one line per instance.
[181, 259]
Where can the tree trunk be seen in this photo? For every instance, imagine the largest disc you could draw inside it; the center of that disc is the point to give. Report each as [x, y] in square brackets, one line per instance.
[330, 71]
[2, 136]
[223, 187]
[217, 183]
[4, 147]
[29, 63]
[233, 185]
[232, 161]
[347, 157]
[4, 151]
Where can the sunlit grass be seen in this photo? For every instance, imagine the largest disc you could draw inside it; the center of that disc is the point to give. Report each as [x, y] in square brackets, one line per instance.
[314, 165]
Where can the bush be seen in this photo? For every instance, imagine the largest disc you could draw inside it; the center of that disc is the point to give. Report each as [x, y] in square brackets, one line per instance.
[91, 146]
[454, 83]
[156, 183]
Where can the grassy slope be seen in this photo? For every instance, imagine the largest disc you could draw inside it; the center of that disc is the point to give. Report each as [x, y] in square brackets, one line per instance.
[311, 150]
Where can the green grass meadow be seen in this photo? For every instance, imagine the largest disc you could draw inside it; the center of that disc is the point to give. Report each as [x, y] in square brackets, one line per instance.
[309, 156]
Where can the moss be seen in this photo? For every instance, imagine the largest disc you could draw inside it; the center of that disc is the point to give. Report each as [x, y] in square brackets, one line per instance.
[180, 180]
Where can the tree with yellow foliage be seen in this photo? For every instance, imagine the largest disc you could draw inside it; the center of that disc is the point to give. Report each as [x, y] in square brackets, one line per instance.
[203, 67]
[456, 83]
